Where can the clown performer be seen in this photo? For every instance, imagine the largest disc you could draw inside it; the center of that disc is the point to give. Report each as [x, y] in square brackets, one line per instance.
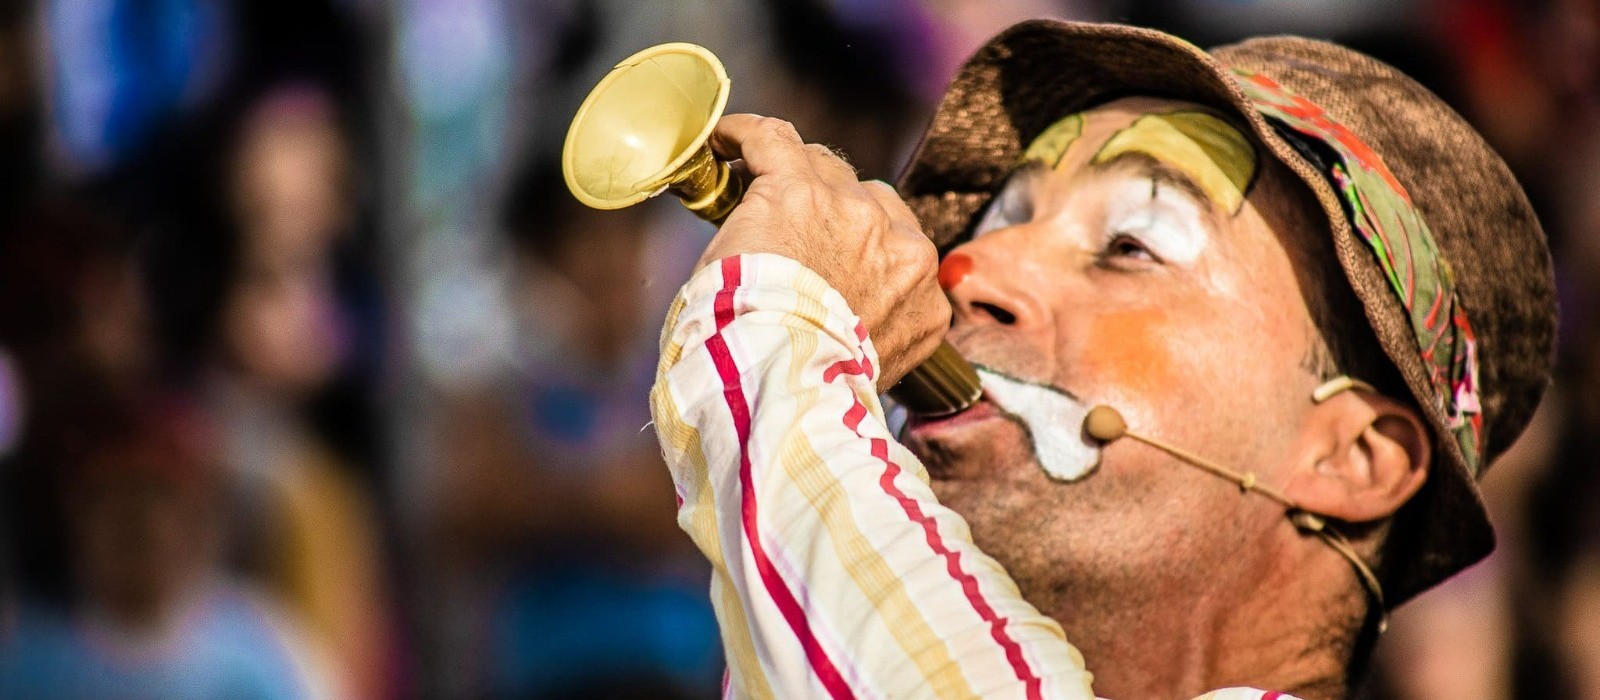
[1250, 325]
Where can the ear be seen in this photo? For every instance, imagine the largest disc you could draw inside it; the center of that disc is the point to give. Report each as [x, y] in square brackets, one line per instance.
[1363, 456]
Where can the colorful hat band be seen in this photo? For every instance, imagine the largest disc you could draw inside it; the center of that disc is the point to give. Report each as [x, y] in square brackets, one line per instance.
[1381, 212]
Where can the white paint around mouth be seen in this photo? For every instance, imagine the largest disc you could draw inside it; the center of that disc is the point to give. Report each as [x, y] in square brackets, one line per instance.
[1054, 421]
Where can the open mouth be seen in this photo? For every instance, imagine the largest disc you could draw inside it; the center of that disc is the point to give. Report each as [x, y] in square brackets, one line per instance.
[1052, 417]
[984, 409]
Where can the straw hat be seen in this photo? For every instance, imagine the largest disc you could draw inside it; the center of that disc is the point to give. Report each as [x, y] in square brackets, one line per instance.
[1433, 233]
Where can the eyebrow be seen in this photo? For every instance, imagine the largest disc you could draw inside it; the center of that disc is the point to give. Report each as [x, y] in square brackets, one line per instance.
[1159, 172]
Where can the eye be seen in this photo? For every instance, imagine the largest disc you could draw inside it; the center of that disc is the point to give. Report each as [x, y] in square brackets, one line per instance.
[1124, 246]
[1013, 205]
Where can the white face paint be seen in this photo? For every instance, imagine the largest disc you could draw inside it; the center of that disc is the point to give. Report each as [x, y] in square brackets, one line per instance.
[1054, 422]
[1162, 218]
[1014, 203]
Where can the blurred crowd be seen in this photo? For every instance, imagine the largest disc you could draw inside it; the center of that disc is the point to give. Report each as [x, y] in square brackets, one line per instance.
[315, 382]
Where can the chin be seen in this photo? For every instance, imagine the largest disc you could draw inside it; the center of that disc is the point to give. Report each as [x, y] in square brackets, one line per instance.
[952, 455]
[990, 449]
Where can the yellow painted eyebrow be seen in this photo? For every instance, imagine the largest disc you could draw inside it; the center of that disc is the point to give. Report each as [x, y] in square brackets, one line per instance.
[1211, 152]
[1052, 143]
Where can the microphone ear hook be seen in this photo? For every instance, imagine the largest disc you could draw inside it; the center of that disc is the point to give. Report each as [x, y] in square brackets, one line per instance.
[1308, 521]
[1107, 425]
[1338, 385]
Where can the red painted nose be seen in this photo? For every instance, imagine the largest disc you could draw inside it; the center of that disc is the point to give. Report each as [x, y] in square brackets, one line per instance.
[953, 270]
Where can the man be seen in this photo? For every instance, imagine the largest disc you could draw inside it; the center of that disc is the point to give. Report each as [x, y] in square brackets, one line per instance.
[1318, 303]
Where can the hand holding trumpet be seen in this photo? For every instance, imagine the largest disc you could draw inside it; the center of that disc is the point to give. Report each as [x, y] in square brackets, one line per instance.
[651, 126]
[804, 202]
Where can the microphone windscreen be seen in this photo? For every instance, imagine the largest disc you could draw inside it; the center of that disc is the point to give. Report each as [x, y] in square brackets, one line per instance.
[1105, 424]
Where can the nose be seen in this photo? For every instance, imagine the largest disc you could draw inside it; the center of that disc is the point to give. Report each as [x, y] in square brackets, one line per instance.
[990, 280]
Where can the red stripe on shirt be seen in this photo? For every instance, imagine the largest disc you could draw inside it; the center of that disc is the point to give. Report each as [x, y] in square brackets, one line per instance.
[844, 367]
[969, 584]
[733, 394]
[861, 337]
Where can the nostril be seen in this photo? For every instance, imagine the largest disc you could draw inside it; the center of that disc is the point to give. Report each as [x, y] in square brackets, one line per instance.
[1005, 318]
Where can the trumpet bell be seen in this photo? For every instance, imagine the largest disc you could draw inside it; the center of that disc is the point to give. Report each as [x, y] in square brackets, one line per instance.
[642, 125]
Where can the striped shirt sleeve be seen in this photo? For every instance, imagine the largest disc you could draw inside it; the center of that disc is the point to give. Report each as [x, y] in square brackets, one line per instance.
[1245, 694]
[836, 573]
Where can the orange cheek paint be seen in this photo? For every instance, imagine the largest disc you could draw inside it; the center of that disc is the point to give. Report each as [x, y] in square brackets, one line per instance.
[1130, 349]
[954, 270]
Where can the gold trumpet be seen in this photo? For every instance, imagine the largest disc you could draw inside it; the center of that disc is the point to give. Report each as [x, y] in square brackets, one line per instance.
[643, 130]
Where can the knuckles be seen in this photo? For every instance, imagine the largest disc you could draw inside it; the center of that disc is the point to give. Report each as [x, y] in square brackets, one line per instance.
[925, 256]
[820, 150]
[777, 130]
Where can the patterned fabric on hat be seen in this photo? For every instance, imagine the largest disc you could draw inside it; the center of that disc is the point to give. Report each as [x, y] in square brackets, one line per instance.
[1383, 215]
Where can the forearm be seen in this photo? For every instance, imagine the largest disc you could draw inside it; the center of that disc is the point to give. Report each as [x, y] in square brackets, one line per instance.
[836, 570]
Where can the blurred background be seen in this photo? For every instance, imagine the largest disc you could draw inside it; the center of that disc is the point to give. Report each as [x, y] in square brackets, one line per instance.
[315, 382]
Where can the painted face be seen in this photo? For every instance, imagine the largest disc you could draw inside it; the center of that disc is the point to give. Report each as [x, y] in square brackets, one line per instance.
[1133, 259]
[1048, 414]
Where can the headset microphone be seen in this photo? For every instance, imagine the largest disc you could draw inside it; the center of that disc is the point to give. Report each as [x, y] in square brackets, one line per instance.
[1107, 425]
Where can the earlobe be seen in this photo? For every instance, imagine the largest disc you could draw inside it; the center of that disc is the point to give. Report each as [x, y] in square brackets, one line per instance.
[1369, 455]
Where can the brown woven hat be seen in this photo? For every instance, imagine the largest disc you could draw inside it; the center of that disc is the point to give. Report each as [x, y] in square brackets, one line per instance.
[1432, 231]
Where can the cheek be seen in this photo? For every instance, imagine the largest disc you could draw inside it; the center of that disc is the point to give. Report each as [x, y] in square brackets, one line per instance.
[1132, 350]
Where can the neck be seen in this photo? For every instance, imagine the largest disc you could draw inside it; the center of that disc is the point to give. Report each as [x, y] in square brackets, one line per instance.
[1284, 622]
